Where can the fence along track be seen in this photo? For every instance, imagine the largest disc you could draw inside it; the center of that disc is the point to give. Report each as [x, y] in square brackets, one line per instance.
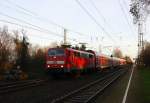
[88, 92]
[14, 86]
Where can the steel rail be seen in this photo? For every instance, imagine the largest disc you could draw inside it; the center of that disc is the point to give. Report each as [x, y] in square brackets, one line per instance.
[15, 82]
[86, 93]
[10, 87]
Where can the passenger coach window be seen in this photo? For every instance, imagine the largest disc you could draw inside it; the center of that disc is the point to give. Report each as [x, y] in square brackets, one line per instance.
[75, 53]
[90, 56]
[84, 55]
[78, 54]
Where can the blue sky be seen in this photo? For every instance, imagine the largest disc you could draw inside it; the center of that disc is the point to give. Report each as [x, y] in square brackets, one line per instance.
[70, 15]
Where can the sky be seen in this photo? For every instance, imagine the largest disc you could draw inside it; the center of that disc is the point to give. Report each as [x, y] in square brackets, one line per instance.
[113, 26]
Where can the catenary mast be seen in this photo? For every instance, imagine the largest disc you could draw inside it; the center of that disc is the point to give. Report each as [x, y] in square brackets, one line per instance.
[140, 10]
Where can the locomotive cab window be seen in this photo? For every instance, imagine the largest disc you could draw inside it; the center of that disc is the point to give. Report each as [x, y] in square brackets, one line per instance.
[52, 52]
[56, 52]
[60, 52]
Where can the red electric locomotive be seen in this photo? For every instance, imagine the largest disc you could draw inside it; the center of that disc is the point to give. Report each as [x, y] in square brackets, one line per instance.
[67, 60]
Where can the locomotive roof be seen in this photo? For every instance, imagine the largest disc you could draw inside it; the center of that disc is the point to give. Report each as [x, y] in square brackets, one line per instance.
[91, 52]
[81, 51]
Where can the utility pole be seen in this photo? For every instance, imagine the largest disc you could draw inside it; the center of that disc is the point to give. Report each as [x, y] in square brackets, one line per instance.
[140, 21]
[65, 44]
[100, 48]
[100, 45]
[140, 39]
[65, 37]
[140, 10]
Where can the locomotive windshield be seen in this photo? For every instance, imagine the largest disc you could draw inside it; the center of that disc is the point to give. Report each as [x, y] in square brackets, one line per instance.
[56, 52]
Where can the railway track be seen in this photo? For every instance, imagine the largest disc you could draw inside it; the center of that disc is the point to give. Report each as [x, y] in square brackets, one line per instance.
[88, 92]
[14, 86]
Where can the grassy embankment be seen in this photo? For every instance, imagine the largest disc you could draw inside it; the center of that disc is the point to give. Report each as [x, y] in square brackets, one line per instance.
[144, 74]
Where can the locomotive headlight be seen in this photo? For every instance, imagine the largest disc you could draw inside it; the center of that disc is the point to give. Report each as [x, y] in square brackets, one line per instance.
[61, 66]
[48, 66]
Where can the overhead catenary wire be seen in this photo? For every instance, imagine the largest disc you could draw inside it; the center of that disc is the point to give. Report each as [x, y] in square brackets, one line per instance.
[12, 23]
[18, 6]
[17, 10]
[36, 16]
[127, 9]
[92, 17]
[28, 27]
[20, 20]
[125, 16]
[100, 13]
[39, 28]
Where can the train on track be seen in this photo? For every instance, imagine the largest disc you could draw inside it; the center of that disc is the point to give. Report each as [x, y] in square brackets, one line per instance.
[72, 61]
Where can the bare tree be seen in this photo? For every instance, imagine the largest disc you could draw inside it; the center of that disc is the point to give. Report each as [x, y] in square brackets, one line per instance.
[145, 55]
[6, 47]
[128, 59]
[117, 53]
[21, 49]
